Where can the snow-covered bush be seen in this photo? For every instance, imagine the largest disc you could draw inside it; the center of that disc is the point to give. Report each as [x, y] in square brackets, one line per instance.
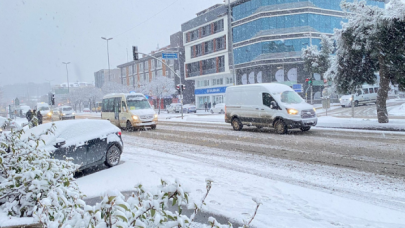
[140, 209]
[29, 174]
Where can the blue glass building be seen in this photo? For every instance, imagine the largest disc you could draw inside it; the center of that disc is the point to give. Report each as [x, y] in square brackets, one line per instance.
[268, 36]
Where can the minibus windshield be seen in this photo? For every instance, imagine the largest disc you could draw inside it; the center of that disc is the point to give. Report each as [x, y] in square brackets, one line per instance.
[137, 104]
[291, 97]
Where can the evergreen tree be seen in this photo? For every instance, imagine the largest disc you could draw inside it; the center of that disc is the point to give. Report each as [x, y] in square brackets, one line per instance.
[372, 40]
[318, 60]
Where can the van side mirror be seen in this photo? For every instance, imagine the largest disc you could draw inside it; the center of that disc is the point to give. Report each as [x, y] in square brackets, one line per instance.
[59, 142]
[273, 105]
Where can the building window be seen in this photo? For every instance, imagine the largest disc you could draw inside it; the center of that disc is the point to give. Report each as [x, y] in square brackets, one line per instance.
[152, 63]
[208, 47]
[208, 66]
[229, 80]
[146, 65]
[220, 43]
[123, 72]
[159, 63]
[221, 64]
[159, 73]
[135, 68]
[219, 26]
[153, 75]
[206, 30]
[130, 68]
[141, 67]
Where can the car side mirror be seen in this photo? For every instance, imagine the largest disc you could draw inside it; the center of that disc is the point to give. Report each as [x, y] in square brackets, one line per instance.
[273, 105]
[59, 142]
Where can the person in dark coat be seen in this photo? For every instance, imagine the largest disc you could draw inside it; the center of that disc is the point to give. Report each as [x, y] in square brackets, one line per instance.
[39, 116]
[206, 106]
[214, 104]
[28, 115]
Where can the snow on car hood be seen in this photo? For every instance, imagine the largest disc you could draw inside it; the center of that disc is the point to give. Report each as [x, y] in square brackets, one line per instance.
[141, 112]
[75, 132]
[346, 97]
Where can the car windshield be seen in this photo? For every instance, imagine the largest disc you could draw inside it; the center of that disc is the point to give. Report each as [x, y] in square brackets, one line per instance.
[67, 109]
[43, 108]
[291, 97]
[135, 104]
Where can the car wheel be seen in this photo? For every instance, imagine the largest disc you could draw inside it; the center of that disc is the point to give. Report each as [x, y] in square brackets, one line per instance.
[356, 103]
[212, 111]
[280, 127]
[305, 128]
[113, 156]
[128, 126]
[153, 127]
[236, 124]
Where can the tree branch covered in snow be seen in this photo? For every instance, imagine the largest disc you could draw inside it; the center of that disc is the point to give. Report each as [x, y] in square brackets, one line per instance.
[160, 87]
[315, 60]
[29, 174]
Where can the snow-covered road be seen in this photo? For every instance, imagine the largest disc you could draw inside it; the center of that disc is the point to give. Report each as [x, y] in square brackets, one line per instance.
[305, 179]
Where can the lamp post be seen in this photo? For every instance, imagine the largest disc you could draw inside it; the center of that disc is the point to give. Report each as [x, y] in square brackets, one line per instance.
[230, 41]
[67, 74]
[108, 56]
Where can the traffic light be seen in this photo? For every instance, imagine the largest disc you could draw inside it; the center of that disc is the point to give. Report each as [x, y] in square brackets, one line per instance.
[135, 52]
[53, 99]
[309, 81]
[183, 87]
[180, 88]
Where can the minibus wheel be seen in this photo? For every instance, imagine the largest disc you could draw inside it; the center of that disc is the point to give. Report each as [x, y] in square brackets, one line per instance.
[280, 127]
[128, 126]
[356, 103]
[236, 124]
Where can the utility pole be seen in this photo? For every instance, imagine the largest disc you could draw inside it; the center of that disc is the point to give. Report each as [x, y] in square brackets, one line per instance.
[67, 75]
[108, 57]
[181, 85]
[230, 41]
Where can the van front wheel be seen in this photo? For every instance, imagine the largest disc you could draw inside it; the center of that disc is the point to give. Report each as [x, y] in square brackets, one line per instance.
[305, 128]
[236, 124]
[280, 127]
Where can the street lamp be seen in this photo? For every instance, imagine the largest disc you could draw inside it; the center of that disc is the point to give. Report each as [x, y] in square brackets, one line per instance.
[67, 74]
[108, 56]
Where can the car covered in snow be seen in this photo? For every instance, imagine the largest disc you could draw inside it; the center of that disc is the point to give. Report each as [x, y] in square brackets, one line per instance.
[174, 107]
[66, 112]
[89, 142]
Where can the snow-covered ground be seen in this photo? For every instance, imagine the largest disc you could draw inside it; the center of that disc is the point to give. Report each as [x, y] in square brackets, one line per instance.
[398, 111]
[285, 203]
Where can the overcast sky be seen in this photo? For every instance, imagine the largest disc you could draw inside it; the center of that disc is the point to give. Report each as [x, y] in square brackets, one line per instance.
[38, 35]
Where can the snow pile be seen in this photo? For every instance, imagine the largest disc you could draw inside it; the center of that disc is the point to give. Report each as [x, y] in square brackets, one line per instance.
[358, 123]
[398, 111]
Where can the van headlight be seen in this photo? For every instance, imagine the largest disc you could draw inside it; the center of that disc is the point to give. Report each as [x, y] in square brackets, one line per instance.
[351, 98]
[156, 116]
[73, 113]
[292, 111]
[49, 114]
[314, 109]
[135, 117]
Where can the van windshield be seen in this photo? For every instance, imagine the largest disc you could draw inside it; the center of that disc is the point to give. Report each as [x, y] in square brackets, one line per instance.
[43, 108]
[291, 97]
[67, 109]
[137, 104]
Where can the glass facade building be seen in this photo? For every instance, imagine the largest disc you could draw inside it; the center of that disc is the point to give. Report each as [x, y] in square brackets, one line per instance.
[268, 36]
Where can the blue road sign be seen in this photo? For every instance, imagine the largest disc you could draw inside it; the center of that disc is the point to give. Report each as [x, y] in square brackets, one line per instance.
[170, 56]
[297, 88]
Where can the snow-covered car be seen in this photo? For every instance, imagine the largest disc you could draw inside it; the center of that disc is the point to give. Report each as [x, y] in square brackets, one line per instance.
[66, 112]
[189, 108]
[219, 108]
[86, 110]
[89, 142]
[174, 107]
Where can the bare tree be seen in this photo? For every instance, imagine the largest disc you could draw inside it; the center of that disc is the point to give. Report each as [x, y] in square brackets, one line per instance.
[113, 87]
[160, 87]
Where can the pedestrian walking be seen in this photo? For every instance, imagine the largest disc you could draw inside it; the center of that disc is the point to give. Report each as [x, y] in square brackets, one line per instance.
[28, 115]
[39, 116]
[209, 106]
[214, 104]
[206, 106]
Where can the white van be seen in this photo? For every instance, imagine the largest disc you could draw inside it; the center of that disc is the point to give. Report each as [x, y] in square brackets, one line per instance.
[129, 111]
[366, 94]
[268, 105]
[66, 112]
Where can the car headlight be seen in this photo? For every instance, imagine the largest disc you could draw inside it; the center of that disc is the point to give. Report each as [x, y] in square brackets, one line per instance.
[135, 117]
[314, 109]
[292, 111]
[351, 98]
[340, 99]
[49, 114]
[73, 113]
[156, 116]
[63, 114]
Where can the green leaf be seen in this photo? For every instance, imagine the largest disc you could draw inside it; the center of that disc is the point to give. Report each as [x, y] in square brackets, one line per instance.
[153, 211]
[111, 198]
[123, 206]
[174, 202]
[122, 217]
[170, 217]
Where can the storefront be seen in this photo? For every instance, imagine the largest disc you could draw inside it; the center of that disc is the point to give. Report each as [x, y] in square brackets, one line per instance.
[209, 96]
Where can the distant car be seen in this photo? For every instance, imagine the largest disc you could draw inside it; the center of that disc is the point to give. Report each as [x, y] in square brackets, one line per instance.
[174, 107]
[89, 142]
[219, 108]
[66, 112]
[86, 110]
[190, 108]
